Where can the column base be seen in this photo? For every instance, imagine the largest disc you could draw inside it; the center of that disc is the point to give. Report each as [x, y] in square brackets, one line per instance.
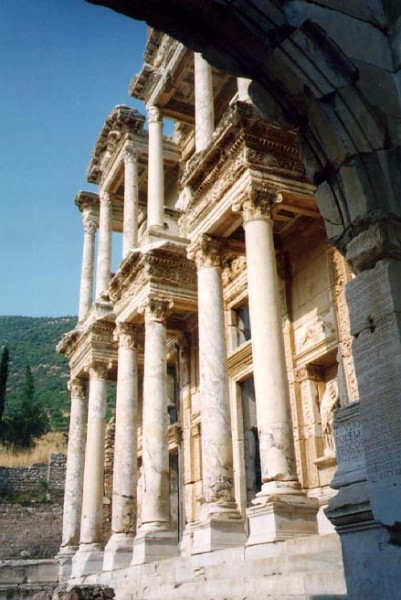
[87, 561]
[64, 559]
[154, 544]
[282, 517]
[118, 551]
[220, 527]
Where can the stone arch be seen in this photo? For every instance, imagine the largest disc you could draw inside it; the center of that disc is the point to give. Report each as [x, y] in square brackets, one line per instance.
[330, 71]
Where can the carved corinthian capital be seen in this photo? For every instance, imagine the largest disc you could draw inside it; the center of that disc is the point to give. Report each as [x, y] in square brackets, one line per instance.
[157, 309]
[154, 114]
[127, 335]
[257, 205]
[205, 251]
[77, 388]
[130, 153]
[89, 223]
[97, 370]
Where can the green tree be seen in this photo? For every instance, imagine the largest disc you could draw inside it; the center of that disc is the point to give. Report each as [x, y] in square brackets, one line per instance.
[28, 421]
[3, 379]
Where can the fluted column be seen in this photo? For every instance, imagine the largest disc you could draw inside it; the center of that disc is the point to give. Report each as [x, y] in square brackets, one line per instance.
[204, 108]
[217, 451]
[74, 477]
[155, 168]
[271, 519]
[88, 258]
[89, 558]
[105, 244]
[118, 552]
[130, 232]
[154, 539]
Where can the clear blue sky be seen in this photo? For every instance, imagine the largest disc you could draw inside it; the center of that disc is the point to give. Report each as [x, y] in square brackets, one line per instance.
[64, 65]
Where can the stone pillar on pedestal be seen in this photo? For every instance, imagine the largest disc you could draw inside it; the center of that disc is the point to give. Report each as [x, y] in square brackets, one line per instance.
[73, 478]
[88, 258]
[220, 524]
[243, 89]
[204, 108]
[118, 551]
[155, 169]
[281, 508]
[105, 242]
[130, 231]
[154, 539]
[89, 558]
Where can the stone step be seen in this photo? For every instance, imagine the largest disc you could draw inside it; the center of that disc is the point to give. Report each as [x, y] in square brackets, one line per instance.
[303, 569]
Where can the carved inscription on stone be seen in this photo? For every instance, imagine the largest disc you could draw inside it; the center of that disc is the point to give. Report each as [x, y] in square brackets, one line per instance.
[377, 355]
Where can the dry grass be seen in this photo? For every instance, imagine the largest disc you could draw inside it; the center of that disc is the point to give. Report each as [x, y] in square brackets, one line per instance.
[51, 442]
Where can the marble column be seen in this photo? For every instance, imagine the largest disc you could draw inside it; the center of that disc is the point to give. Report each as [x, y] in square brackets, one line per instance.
[89, 558]
[105, 244]
[243, 89]
[220, 523]
[88, 258]
[154, 539]
[118, 551]
[204, 108]
[155, 169]
[73, 478]
[130, 232]
[278, 469]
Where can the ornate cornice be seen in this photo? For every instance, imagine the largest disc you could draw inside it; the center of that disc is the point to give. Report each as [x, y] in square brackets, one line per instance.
[122, 120]
[244, 145]
[156, 265]
[87, 200]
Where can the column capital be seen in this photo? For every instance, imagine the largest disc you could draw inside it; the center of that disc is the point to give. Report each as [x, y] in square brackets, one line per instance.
[127, 335]
[106, 198]
[157, 309]
[77, 387]
[257, 205]
[89, 222]
[97, 370]
[155, 115]
[130, 153]
[205, 251]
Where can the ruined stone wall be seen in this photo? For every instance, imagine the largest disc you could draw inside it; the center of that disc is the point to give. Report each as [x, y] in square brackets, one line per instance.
[35, 479]
[30, 530]
[31, 509]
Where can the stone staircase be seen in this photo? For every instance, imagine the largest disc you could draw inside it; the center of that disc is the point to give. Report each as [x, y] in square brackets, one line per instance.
[301, 569]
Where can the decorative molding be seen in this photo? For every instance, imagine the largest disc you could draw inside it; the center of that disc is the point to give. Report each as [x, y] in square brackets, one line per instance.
[77, 388]
[257, 204]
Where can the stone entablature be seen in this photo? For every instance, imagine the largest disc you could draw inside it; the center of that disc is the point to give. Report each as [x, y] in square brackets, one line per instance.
[246, 156]
[163, 271]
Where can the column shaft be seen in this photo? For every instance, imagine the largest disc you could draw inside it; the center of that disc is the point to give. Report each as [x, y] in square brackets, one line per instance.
[88, 257]
[155, 459]
[155, 169]
[270, 372]
[130, 233]
[92, 504]
[75, 465]
[204, 109]
[125, 449]
[105, 244]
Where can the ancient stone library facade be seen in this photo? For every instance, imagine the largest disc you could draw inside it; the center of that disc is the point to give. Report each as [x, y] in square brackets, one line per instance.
[255, 445]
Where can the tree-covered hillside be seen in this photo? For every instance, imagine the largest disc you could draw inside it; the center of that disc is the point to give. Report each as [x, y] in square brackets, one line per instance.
[32, 341]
